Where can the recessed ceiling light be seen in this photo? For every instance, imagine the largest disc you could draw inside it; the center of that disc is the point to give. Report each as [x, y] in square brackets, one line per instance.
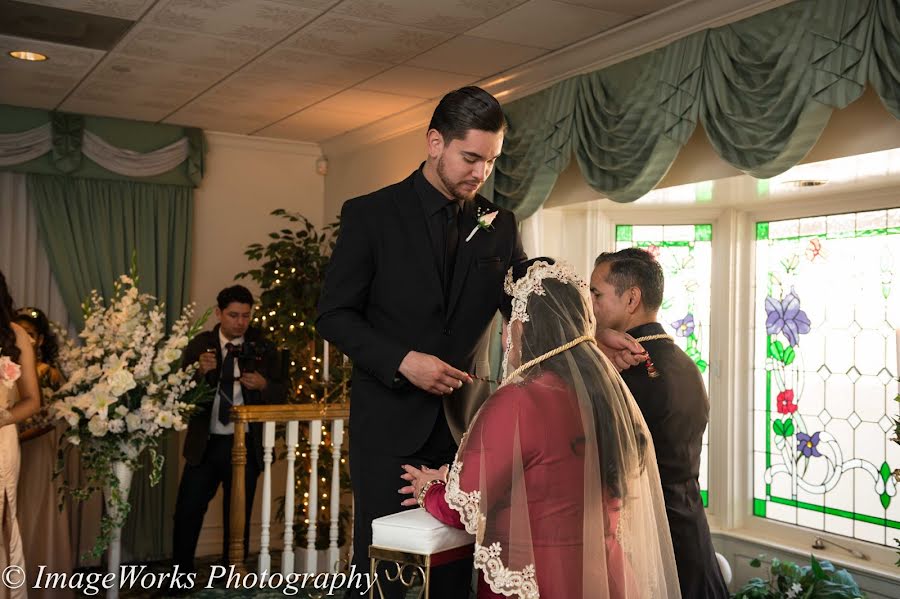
[26, 55]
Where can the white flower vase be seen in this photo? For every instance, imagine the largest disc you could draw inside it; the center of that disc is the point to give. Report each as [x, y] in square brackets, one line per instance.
[123, 473]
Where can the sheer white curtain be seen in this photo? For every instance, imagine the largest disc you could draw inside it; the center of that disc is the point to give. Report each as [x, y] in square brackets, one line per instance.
[22, 257]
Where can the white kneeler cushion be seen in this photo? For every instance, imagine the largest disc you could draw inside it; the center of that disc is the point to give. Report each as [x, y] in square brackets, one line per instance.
[417, 531]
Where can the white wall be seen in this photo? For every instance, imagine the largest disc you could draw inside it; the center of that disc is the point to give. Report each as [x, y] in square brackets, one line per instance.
[246, 179]
[357, 173]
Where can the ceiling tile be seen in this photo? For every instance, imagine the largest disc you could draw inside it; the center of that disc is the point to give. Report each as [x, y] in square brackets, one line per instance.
[261, 21]
[476, 56]
[307, 67]
[140, 103]
[127, 72]
[368, 102]
[356, 38]
[637, 8]
[156, 43]
[412, 81]
[252, 103]
[561, 24]
[316, 124]
[121, 9]
[48, 81]
[454, 16]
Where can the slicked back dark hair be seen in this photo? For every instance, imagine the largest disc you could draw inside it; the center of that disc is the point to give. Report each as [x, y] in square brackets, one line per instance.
[635, 267]
[235, 293]
[464, 109]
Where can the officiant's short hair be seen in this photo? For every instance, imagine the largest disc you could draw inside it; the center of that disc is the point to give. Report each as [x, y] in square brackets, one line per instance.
[464, 109]
[635, 267]
[235, 293]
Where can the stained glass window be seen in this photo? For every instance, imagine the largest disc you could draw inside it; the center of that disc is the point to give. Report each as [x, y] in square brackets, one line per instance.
[827, 305]
[685, 254]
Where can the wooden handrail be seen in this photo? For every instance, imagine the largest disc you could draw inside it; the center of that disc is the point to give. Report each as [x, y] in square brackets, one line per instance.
[290, 412]
[264, 413]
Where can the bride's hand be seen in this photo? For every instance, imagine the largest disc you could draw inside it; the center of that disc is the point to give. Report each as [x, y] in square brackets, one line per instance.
[418, 478]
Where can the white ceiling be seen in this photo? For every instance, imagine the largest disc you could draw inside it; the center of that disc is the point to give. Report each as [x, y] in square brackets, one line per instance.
[306, 70]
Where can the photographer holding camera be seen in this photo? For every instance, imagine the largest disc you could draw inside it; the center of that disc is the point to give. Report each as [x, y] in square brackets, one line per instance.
[243, 367]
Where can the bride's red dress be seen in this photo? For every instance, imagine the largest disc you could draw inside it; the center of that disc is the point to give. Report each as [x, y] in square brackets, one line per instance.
[544, 415]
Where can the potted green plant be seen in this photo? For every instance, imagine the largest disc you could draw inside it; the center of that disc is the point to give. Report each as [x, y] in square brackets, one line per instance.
[290, 272]
[787, 580]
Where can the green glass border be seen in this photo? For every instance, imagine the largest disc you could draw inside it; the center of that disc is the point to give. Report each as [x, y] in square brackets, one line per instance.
[624, 232]
[703, 232]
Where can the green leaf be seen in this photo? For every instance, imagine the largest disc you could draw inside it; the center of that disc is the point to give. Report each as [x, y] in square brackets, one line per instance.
[701, 364]
[817, 568]
[789, 355]
[778, 427]
[779, 350]
[755, 562]
[885, 471]
[789, 427]
[885, 500]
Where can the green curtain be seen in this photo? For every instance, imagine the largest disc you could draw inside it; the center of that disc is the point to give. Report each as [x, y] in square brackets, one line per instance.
[66, 158]
[763, 89]
[90, 229]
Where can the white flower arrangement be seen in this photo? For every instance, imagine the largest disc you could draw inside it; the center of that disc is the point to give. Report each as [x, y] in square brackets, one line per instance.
[125, 388]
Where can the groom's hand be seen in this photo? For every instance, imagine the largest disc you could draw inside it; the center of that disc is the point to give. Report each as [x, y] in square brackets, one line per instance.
[621, 348]
[432, 374]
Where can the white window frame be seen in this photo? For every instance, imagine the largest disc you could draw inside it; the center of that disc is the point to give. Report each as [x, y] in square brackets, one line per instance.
[730, 456]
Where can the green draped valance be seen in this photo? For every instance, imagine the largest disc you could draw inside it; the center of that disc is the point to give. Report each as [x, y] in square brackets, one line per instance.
[54, 143]
[763, 90]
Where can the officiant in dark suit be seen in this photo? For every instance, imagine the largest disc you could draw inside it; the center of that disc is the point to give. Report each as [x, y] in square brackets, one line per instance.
[243, 367]
[627, 291]
[414, 282]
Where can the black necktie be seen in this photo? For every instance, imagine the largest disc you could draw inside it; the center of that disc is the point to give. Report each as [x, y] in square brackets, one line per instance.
[451, 241]
[226, 383]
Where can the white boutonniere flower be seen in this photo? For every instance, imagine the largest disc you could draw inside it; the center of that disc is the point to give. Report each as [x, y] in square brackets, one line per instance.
[484, 222]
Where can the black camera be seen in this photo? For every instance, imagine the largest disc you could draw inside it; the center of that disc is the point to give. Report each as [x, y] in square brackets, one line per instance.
[251, 354]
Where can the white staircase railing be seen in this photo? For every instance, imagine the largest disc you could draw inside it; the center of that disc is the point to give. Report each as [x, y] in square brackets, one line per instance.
[316, 417]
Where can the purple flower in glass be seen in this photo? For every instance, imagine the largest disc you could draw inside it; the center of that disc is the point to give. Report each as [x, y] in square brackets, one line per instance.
[685, 326]
[808, 445]
[786, 317]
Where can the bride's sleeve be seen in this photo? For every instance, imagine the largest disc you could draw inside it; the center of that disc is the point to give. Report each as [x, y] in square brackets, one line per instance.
[493, 455]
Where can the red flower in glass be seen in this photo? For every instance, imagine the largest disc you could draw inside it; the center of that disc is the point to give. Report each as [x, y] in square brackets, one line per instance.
[786, 403]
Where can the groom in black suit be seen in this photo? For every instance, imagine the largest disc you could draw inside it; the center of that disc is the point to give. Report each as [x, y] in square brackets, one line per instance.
[414, 282]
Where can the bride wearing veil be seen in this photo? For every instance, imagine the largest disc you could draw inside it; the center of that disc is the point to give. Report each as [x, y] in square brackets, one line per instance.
[556, 476]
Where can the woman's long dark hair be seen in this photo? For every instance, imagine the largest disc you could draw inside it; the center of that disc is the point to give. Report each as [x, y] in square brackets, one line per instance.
[8, 345]
[48, 352]
[540, 335]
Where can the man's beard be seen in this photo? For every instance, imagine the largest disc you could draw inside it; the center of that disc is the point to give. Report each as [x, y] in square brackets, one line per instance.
[455, 188]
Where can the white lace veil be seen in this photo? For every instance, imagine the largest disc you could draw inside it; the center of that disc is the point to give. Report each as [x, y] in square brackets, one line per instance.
[557, 476]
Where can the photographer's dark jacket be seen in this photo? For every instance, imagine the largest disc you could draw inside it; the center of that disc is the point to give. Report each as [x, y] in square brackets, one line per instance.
[274, 393]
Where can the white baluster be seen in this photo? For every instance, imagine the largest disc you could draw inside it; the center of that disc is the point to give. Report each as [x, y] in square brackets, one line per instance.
[315, 438]
[337, 438]
[326, 376]
[265, 560]
[287, 556]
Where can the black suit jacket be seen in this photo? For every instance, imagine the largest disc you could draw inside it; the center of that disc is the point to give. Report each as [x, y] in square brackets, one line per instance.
[382, 298]
[676, 408]
[274, 393]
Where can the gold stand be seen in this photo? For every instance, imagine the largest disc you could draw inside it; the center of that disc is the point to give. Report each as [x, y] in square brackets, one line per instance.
[412, 566]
